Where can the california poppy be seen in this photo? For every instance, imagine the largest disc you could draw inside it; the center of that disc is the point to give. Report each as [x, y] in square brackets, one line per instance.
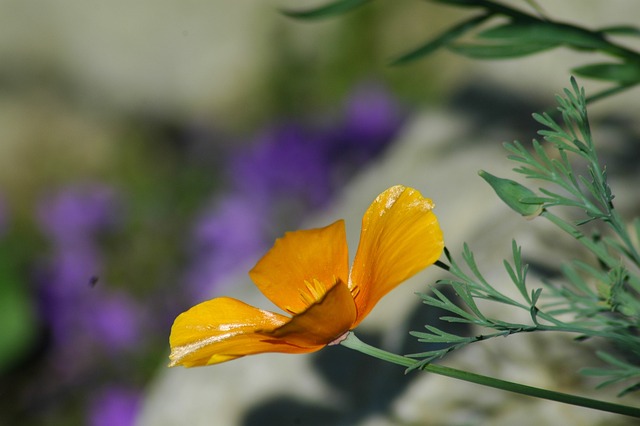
[306, 274]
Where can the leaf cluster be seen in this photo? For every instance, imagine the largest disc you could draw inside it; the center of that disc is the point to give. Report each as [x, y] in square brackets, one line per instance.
[598, 298]
[499, 31]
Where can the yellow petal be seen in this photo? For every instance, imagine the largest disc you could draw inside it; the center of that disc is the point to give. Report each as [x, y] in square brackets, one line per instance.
[323, 322]
[287, 274]
[400, 236]
[223, 329]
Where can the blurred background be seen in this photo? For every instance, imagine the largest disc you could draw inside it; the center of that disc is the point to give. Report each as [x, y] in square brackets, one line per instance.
[150, 149]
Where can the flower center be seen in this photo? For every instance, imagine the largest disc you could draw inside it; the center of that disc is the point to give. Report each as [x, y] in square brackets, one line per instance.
[313, 291]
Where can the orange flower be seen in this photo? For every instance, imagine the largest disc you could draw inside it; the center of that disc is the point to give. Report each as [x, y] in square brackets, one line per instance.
[306, 274]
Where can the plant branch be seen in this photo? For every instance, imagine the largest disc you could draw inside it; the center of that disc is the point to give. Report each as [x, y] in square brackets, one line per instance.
[354, 343]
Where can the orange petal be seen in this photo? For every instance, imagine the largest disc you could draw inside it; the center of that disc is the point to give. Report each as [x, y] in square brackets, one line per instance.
[323, 322]
[223, 329]
[400, 236]
[287, 273]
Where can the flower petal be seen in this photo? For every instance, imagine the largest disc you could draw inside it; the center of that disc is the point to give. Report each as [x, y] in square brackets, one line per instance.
[289, 272]
[400, 236]
[223, 329]
[323, 322]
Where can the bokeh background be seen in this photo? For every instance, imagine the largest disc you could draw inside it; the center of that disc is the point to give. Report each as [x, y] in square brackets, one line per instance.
[151, 149]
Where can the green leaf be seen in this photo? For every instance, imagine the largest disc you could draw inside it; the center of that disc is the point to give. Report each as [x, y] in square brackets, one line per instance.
[623, 372]
[495, 8]
[571, 274]
[463, 3]
[545, 32]
[16, 313]
[523, 31]
[535, 295]
[624, 73]
[332, 9]
[499, 51]
[441, 301]
[462, 291]
[512, 193]
[436, 335]
[442, 40]
[623, 30]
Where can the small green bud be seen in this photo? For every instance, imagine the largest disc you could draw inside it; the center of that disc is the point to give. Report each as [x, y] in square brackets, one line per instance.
[517, 196]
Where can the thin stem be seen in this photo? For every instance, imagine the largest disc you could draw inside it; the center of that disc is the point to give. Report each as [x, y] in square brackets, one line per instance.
[599, 251]
[442, 265]
[618, 225]
[609, 92]
[596, 249]
[353, 342]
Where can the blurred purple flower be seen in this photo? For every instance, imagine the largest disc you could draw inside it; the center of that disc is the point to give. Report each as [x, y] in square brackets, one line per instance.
[286, 160]
[64, 287]
[372, 118]
[78, 313]
[224, 238]
[82, 317]
[114, 320]
[114, 406]
[244, 216]
[78, 212]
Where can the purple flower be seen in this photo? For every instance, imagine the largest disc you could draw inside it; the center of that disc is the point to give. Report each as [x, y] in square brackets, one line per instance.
[372, 118]
[224, 238]
[78, 212]
[235, 223]
[286, 161]
[64, 288]
[114, 406]
[84, 319]
[114, 321]
[78, 313]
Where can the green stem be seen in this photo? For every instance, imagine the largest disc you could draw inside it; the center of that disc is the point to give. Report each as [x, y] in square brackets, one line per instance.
[599, 251]
[608, 92]
[353, 342]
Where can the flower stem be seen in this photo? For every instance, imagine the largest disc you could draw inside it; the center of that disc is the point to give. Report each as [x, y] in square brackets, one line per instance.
[353, 342]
